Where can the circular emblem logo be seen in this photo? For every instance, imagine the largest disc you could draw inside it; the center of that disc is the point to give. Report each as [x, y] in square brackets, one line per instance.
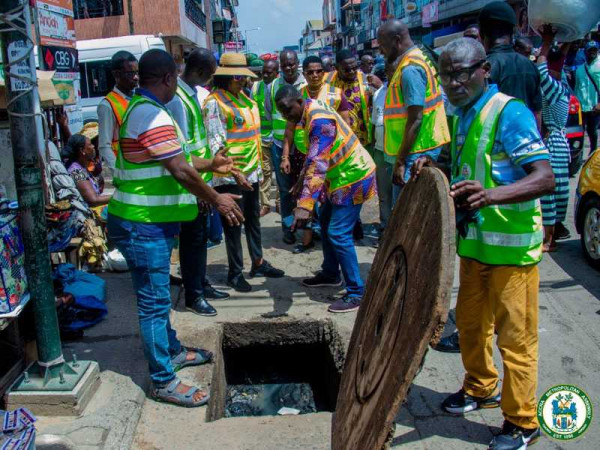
[466, 171]
[564, 412]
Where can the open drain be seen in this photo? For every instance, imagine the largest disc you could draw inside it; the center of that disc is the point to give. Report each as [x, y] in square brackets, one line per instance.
[275, 367]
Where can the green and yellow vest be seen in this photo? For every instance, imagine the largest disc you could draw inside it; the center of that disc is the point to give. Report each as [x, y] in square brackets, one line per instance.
[349, 161]
[279, 123]
[118, 103]
[147, 192]
[434, 130]
[330, 95]
[259, 96]
[196, 142]
[508, 234]
[243, 128]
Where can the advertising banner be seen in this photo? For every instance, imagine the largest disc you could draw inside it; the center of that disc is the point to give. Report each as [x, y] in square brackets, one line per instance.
[56, 29]
[61, 59]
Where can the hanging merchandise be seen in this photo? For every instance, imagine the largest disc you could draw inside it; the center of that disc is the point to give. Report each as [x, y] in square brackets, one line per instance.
[13, 283]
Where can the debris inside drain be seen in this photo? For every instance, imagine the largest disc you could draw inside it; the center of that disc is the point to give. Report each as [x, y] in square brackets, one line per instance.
[269, 399]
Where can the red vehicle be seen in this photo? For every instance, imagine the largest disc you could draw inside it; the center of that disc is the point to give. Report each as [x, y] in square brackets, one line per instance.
[575, 135]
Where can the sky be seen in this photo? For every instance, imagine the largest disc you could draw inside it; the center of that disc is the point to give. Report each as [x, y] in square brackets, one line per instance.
[281, 21]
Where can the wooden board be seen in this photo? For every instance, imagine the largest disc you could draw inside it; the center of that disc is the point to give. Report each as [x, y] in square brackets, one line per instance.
[404, 309]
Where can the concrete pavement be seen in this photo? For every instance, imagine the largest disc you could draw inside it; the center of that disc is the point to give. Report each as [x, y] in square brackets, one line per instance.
[569, 344]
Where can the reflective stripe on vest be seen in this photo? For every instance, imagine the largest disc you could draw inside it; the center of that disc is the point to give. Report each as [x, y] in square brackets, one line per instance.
[334, 80]
[434, 131]
[279, 123]
[196, 138]
[243, 129]
[349, 162]
[259, 96]
[331, 96]
[509, 234]
[147, 192]
[118, 103]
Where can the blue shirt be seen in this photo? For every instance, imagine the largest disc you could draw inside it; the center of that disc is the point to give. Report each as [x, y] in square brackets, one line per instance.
[518, 141]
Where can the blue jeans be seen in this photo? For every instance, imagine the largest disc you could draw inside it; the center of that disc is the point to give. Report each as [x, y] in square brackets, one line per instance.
[284, 184]
[337, 223]
[410, 160]
[149, 259]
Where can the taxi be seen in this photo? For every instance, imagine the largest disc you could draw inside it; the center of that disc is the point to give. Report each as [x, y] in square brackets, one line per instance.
[587, 210]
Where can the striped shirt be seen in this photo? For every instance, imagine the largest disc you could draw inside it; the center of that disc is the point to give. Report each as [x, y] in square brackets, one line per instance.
[555, 100]
[150, 134]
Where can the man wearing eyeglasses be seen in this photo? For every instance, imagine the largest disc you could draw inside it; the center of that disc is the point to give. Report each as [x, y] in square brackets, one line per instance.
[414, 116]
[111, 108]
[500, 168]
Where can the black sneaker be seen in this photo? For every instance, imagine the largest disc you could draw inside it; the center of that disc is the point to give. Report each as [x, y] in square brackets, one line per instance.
[449, 344]
[214, 294]
[266, 270]
[345, 304]
[322, 280]
[289, 237]
[513, 437]
[301, 248]
[561, 232]
[461, 403]
[202, 308]
[239, 284]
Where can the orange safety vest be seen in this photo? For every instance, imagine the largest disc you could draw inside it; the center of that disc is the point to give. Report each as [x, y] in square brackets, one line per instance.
[118, 103]
[243, 128]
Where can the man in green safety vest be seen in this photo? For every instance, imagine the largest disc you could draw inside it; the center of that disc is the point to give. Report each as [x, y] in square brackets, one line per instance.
[500, 168]
[156, 188]
[186, 108]
[261, 94]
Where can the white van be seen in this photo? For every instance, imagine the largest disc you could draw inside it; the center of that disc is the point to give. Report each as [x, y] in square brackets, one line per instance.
[94, 66]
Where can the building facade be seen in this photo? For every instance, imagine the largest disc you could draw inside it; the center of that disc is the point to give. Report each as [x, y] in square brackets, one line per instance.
[315, 39]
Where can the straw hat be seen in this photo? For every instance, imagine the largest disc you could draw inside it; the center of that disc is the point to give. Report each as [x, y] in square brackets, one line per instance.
[90, 130]
[233, 64]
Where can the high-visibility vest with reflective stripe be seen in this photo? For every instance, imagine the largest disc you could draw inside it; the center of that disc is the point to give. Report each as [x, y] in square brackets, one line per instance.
[279, 123]
[349, 162]
[328, 94]
[147, 192]
[509, 234]
[259, 96]
[434, 131]
[118, 103]
[243, 129]
[334, 80]
[196, 139]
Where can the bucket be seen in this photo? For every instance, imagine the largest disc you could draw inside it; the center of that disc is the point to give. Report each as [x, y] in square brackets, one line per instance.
[572, 19]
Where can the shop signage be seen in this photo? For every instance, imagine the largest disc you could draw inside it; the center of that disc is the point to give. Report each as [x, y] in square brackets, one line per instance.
[56, 29]
[430, 13]
[61, 59]
[64, 7]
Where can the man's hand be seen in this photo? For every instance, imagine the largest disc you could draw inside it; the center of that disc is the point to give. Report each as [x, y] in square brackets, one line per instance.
[398, 175]
[548, 33]
[221, 163]
[423, 161]
[301, 217]
[228, 208]
[61, 118]
[374, 81]
[285, 166]
[470, 194]
[241, 180]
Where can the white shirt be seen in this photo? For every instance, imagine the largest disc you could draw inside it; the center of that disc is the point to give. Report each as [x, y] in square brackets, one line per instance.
[377, 116]
[107, 123]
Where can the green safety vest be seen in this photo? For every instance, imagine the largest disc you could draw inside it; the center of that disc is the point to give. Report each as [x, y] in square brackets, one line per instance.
[259, 96]
[279, 123]
[331, 96]
[349, 162]
[147, 192]
[434, 130]
[196, 142]
[508, 234]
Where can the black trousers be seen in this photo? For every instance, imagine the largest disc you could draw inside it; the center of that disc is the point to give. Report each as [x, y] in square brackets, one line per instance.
[193, 240]
[250, 206]
[590, 123]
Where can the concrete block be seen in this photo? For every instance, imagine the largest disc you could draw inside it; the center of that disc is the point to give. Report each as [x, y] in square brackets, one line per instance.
[59, 403]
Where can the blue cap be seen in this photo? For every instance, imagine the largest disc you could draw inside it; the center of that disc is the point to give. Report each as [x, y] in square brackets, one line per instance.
[591, 44]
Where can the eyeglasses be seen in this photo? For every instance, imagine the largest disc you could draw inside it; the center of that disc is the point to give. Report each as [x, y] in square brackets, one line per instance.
[130, 73]
[461, 76]
[314, 72]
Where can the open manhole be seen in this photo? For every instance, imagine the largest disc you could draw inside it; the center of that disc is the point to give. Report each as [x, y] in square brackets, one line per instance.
[262, 367]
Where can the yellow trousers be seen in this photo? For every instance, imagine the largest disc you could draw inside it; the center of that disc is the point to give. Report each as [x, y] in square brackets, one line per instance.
[503, 299]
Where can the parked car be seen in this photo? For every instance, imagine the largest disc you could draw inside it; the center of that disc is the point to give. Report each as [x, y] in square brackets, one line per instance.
[575, 135]
[587, 210]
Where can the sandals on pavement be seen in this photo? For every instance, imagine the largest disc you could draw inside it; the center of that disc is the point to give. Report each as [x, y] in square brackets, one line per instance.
[185, 359]
[180, 394]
